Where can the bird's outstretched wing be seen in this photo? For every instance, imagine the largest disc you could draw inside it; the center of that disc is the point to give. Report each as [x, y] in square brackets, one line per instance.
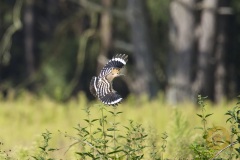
[106, 93]
[93, 86]
[117, 61]
[104, 87]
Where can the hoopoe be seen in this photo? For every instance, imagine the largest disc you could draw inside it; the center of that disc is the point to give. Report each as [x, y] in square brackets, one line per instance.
[101, 86]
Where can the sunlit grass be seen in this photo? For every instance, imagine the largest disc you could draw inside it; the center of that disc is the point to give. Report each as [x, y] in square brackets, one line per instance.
[24, 119]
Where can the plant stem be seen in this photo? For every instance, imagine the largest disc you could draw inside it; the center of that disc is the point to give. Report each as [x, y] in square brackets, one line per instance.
[103, 132]
[114, 132]
[219, 152]
[90, 125]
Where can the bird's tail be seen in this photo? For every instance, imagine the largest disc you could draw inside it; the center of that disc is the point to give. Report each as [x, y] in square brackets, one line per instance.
[111, 99]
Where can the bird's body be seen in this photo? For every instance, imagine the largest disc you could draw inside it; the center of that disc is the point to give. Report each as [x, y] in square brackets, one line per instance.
[101, 86]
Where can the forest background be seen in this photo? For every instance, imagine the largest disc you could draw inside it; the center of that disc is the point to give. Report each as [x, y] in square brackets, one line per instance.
[179, 48]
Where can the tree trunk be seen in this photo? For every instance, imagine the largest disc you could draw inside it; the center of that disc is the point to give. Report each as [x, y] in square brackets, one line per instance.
[144, 81]
[52, 18]
[182, 26]
[204, 78]
[29, 37]
[220, 72]
[105, 33]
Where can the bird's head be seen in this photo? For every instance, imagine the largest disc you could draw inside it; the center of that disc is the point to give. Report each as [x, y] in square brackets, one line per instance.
[115, 73]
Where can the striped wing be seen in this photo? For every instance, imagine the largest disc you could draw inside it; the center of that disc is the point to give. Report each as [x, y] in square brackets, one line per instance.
[117, 61]
[104, 87]
[93, 86]
[106, 94]
[111, 99]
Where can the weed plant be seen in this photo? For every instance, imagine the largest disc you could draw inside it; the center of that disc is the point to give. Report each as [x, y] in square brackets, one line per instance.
[103, 140]
[107, 133]
[215, 139]
[44, 149]
[154, 152]
[180, 136]
[200, 148]
[234, 120]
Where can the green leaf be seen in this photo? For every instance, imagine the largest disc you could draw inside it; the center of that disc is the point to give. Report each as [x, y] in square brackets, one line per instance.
[86, 132]
[205, 136]
[86, 120]
[199, 115]
[78, 129]
[140, 157]
[108, 135]
[238, 150]
[111, 112]
[208, 115]
[228, 119]
[116, 151]
[85, 154]
[38, 158]
[238, 139]
[230, 113]
[111, 129]
[95, 132]
[52, 149]
[42, 148]
[126, 127]
[117, 148]
[94, 120]
[142, 137]
[120, 136]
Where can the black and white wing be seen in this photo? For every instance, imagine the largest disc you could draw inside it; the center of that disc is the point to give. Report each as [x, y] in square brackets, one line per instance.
[100, 87]
[117, 61]
[106, 93]
[94, 86]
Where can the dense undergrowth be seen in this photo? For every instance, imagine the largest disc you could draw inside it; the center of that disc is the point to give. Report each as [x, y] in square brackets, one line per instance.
[39, 128]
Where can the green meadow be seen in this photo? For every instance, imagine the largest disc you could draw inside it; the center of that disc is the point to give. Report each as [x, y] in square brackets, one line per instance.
[171, 130]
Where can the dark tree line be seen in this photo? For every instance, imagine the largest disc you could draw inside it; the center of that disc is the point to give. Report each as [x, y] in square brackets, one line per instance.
[180, 47]
[201, 45]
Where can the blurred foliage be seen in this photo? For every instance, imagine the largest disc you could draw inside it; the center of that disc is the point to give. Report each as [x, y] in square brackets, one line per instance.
[234, 28]
[159, 23]
[179, 131]
[67, 44]
[64, 65]
[32, 116]
[6, 39]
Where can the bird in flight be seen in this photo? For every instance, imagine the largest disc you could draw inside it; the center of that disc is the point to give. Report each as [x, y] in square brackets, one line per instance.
[101, 86]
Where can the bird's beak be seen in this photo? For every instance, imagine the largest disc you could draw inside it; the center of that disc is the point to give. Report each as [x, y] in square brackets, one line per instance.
[121, 75]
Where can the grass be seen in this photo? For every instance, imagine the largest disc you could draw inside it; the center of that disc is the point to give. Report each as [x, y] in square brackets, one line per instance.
[171, 129]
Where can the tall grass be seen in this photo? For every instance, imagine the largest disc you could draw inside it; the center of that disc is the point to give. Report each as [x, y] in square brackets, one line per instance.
[166, 131]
